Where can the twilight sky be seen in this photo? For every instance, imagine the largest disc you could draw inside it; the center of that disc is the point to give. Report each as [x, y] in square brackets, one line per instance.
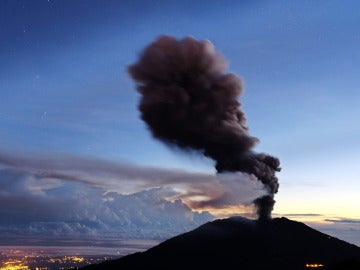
[71, 136]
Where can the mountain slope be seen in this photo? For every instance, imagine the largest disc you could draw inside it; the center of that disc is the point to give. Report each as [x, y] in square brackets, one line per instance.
[242, 244]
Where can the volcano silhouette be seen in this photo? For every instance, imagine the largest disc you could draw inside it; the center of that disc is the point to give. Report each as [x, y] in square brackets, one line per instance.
[240, 243]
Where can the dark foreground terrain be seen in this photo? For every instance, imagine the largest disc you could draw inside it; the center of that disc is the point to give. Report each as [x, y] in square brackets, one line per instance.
[239, 243]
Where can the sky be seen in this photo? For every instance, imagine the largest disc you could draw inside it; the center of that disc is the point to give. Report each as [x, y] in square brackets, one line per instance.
[78, 163]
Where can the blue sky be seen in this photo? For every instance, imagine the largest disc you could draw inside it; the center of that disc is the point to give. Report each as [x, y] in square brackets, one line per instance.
[65, 89]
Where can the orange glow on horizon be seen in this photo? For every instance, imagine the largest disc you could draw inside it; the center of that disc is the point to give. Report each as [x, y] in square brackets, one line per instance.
[233, 210]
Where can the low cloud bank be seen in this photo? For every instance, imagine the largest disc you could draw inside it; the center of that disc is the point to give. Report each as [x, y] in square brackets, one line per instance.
[57, 210]
[197, 190]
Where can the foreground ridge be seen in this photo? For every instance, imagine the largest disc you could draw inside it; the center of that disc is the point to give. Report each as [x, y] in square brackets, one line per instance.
[242, 243]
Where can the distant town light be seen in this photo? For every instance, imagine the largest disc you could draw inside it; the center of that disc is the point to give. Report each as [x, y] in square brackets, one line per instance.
[314, 265]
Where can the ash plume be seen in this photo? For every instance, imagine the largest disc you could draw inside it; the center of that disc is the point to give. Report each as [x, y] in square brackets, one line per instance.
[189, 101]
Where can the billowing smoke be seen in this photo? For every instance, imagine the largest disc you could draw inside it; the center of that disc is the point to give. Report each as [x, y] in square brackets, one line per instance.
[189, 101]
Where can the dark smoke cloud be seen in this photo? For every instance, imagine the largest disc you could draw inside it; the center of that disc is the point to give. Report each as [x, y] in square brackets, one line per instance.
[189, 101]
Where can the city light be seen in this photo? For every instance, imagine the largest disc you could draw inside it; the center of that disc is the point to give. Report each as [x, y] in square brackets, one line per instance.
[314, 265]
[14, 264]
[38, 262]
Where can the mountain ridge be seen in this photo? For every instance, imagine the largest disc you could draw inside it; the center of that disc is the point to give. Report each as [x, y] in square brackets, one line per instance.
[278, 243]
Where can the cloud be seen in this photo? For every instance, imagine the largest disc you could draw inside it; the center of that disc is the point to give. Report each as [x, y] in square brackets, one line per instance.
[343, 220]
[60, 229]
[195, 189]
[60, 209]
[234, 188]
[58, 196]
[347, 229]
[301, 215]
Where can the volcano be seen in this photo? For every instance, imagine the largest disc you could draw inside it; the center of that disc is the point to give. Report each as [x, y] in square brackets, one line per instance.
[241, 243]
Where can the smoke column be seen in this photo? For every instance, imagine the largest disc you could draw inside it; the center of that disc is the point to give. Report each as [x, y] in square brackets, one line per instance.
[189, 101]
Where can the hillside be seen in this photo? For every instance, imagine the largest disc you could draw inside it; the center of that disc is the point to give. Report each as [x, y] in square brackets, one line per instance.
[241, 243]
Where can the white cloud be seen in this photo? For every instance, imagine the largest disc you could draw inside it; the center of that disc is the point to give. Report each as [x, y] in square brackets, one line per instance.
[195, 189]
[75, 209]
